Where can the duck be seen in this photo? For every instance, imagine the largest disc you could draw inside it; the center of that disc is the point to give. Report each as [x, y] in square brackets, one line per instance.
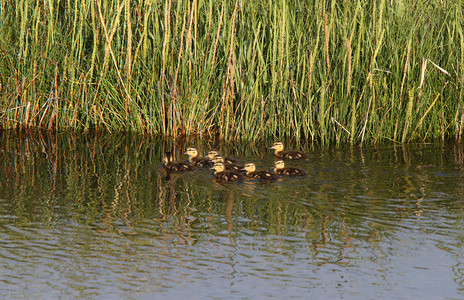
[251, 172]
[228, 165]
[280, 169]
[280, 153]
[212, 154]
[171, 166]
[222, 174]
[227, 160]
[192, 153]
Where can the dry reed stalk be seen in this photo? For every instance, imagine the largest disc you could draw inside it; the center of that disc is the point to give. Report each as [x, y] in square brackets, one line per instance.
[311, 70]
[363, 130]
[282, 44]
[405, 69]
[423, 117]
[408, 114]
[422, 77]
[174, 96]
[228, 95]
[164, 53]
[326, 33]
[129, 47]
[54, 115]
[213, 60]
[348, 85]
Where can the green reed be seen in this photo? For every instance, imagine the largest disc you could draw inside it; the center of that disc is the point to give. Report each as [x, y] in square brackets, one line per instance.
[338, 71]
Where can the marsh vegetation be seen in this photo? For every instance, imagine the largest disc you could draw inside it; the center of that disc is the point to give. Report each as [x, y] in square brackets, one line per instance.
[331, 71]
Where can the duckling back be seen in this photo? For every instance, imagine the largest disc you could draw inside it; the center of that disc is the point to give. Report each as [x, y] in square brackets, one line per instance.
[280, 169]
[265, 175]
[250, 169]
[280, 153]
[172, 166]
[226, 175]
[194, 159]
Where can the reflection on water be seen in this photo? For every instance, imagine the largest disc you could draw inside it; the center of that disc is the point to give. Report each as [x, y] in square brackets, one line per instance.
[93, 216]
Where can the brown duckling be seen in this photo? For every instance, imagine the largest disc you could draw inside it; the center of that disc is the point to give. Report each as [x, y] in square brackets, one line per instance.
[212, 154]
[280, 169]
[194, 159]
[251, 172]
[171, 166]
[280, 153]
[229, 166]
[227, 160]
[221, 173]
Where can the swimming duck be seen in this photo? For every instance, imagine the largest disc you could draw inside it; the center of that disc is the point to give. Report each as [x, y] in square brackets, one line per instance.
[212, 153]
[171, 166]
[192, 153]
[227, 160]
[251, 172]
[280, 169]
[228, 165]
[280, 153]
[222, 174]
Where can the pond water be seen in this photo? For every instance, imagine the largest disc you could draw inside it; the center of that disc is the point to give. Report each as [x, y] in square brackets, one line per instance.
[92, 216]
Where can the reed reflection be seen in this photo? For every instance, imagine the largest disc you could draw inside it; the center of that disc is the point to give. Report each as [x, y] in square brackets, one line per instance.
[114, 184]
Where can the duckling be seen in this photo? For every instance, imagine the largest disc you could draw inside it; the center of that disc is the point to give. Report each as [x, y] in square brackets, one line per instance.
[228, 166]
[221, 173]
[171, 166]
[227, 160]
[280, 169]
[280, 153]
[212, 153]
[251, 172]
[192, 153]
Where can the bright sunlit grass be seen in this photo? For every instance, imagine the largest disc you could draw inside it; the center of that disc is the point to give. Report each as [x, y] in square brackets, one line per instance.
[331, 71]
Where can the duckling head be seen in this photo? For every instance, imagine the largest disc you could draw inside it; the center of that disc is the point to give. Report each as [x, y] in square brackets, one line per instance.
[278, 146]
[191, 152]
[279, 164]
[218, 158]
[218, 167]
[249, 167]
[212, 154]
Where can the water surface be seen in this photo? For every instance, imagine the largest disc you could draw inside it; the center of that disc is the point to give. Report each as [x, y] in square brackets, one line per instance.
[92, 216]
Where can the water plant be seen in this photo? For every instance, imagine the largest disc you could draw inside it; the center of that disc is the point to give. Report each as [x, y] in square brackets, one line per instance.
[330, 71]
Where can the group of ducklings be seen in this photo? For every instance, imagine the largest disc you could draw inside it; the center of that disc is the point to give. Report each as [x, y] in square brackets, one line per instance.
[229, 169]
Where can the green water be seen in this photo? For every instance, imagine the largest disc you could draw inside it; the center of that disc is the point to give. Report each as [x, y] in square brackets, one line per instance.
[92, 216]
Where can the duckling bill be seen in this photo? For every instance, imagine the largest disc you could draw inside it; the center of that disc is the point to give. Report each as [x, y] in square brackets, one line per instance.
[280, 169]
[251, 172]
[280, 153]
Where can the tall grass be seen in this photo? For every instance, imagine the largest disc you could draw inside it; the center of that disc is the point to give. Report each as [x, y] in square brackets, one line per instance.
[330, 71]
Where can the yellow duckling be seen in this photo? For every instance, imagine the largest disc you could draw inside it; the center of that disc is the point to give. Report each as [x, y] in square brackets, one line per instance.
[228, 166]
[280, 169]
[194, 159]
[176, 166]
[251, 172]
[227, 160]
[221, 173]
[280, 153]
[212, 153]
